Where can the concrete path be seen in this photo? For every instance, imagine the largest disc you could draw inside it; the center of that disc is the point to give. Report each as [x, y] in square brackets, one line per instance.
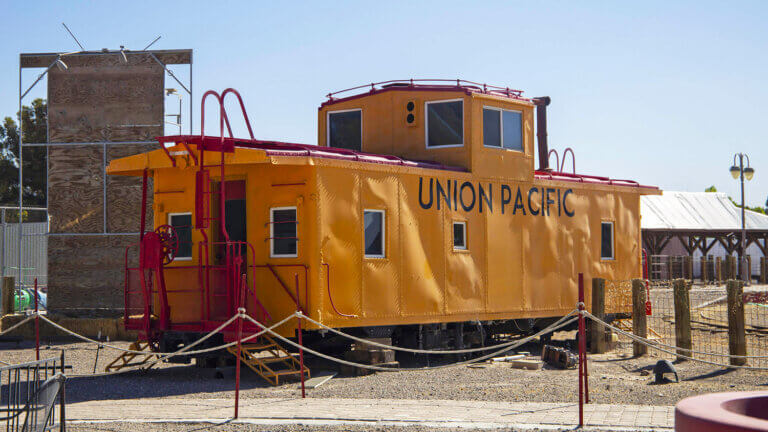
[438, 413]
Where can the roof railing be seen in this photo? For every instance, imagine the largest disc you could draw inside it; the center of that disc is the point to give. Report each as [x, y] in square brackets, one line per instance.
[460, 83]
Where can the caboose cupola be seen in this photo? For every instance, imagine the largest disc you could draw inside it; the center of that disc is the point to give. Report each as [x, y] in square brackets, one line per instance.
[487, 130]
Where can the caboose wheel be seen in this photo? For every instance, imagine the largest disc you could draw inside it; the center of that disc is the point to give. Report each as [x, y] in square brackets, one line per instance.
[169, 242]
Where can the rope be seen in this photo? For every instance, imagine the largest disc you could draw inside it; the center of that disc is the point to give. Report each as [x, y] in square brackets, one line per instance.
[659, 347]
[417, 351]
[13, 327]
[389, 369]
[102, 344]
[162, 357]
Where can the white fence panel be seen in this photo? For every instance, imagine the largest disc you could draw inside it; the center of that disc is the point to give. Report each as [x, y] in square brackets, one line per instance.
[34, 259]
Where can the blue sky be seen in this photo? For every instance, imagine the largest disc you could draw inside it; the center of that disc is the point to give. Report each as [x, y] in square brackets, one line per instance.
[664, 93]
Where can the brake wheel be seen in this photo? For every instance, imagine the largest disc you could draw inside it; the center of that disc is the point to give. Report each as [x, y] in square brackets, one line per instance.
[169, 242]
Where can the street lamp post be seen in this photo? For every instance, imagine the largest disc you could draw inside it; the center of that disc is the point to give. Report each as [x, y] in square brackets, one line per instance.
[741, 172]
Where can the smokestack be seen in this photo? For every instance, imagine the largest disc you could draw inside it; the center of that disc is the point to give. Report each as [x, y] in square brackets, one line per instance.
[541, 130]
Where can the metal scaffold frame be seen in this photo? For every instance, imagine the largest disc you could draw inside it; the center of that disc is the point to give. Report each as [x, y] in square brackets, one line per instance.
[22, 93]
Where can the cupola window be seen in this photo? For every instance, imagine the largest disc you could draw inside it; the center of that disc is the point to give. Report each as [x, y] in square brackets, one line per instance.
[445, 123]
[502, 128]
[345, 129]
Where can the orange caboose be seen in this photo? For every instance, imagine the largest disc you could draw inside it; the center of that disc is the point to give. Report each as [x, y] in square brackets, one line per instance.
[419, 210]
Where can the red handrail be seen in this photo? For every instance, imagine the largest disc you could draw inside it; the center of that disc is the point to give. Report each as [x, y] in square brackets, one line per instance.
[486, 88]
[242, 107]
[573, 159]
[557, 158]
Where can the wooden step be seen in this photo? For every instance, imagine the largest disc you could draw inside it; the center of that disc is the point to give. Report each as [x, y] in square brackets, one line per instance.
[269, 360]
[258, 347]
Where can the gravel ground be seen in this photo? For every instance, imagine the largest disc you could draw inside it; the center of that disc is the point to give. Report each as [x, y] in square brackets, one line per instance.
[195, 427]
[615, 377]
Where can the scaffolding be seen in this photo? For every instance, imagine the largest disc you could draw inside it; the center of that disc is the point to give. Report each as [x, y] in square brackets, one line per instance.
[51, 60]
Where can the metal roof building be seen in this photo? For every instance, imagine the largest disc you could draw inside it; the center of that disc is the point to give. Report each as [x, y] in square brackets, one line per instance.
[699, 220]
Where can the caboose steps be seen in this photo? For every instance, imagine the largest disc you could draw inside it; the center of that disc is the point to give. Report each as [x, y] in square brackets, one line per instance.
[270, 360]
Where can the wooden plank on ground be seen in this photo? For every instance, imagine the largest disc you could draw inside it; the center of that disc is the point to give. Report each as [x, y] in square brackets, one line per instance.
[317, 381]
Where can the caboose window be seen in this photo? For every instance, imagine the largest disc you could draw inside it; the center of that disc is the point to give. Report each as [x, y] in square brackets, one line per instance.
[373, 230]
[606, 241]
[283, 233]
[460, 236]
[502, 128]
[345, 129]
[445, 123]
[182, 224]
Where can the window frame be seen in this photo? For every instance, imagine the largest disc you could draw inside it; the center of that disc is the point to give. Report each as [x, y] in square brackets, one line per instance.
[613, 240]
[191, 228]
[465, 248]
[272, 253]
[383, 233]
[328, 126]
[501, 128]
[426, 124]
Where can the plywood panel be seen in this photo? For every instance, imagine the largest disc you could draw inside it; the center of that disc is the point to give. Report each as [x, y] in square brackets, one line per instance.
[75, 189]
[116, 102]
[45, 59]
[98, 98]
[124, 194]
[85, 274]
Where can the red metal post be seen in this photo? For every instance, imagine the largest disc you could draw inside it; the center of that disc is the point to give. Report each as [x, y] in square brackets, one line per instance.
[239, 348]
[143, 205]
[301, 344]
[583, 391]
[37, 326]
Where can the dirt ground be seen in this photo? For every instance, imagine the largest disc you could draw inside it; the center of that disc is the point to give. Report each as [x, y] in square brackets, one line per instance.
[615, 377]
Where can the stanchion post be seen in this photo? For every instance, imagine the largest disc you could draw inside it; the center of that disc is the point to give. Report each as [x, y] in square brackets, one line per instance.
[763, 270]
[737, 344]
[298, 330]
[583, 391]
[240, 303]
[682, 319]
[63, 399]
[639, 319]
[37, 325]
[597, 331]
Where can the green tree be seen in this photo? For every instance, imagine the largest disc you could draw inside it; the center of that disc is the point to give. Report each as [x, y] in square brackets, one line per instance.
[757, 209]
[35, 121]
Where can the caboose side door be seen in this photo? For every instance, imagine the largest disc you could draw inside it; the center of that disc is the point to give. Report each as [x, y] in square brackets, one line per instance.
[223, 295]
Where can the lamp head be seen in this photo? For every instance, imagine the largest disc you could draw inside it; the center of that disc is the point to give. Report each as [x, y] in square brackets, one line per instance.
[735, 171]
[749, 172]
[170, 91]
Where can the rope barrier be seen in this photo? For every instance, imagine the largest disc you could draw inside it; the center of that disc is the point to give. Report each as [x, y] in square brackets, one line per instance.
[15, 326]
[658, 347]
[184, 349]
[105, 345]
[390, 369]
[417, 351]
[499, 348]
[594, 318]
